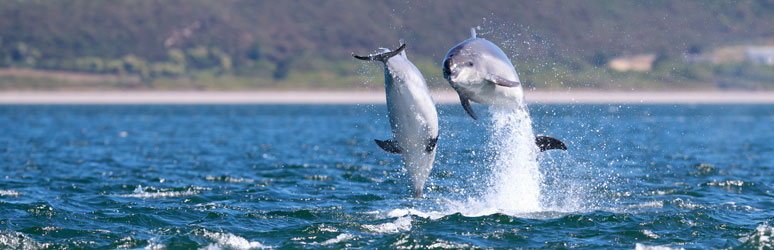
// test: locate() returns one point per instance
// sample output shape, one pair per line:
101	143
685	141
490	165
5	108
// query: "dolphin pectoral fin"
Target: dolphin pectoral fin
497	80
431	142
547	143
466	105
389	145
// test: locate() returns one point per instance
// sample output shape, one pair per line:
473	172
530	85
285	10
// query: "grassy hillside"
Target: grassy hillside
243	44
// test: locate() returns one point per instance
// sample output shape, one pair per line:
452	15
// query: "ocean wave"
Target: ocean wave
485	207
400	212
650	234
685	204
657	204
9	193
140	192
440	244
153	244
231	241
228	179
401	224
640	246
470	208
732	205
339	238
17	240
761	238
727	183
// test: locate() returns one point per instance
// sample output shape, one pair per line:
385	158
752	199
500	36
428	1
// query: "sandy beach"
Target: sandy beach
371	97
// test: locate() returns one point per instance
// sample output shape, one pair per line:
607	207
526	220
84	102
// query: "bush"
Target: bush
254	52
137	65
167	69
282	70
90	64
200	57
224	60
116	67
177	56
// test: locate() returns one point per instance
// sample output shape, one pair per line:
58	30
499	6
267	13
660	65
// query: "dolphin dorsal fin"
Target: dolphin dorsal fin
473	32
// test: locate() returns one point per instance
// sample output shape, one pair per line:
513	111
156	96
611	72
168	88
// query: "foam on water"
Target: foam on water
9	193
231	241
339	238
640	246
399	225
140	192
650	234
761	238
153	244
17	240
395	213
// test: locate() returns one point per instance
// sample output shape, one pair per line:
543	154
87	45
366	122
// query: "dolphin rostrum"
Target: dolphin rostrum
481	72
413	118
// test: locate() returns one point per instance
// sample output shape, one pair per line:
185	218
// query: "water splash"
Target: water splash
521	181
515	184
512	179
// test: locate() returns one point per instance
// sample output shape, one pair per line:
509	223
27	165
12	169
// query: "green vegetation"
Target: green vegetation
245	44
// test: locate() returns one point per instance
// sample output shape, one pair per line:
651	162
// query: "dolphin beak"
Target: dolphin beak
447	72
453	75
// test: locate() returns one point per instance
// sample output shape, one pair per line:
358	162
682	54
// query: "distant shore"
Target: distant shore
371	97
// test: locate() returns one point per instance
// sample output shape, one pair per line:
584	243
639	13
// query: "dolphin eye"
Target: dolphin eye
470	64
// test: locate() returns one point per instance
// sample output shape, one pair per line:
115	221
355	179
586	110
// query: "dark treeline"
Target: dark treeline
274	38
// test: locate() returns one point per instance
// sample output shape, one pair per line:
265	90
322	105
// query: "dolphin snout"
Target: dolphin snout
447	73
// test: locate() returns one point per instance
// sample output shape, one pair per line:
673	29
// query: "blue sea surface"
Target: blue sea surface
310	176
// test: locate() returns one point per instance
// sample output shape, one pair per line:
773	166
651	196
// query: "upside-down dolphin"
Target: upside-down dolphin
413	118
481	72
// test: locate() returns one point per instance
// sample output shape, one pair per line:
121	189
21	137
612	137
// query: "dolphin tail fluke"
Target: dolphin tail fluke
547	143
382	57
466	105
389	145
402	51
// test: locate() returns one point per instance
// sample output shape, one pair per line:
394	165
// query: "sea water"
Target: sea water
310	176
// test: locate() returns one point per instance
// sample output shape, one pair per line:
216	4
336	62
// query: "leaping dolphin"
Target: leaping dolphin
413	118
481	72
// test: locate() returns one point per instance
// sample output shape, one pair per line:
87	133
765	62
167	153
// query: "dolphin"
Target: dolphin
481	72
413	118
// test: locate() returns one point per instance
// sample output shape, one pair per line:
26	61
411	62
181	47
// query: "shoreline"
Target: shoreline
373	97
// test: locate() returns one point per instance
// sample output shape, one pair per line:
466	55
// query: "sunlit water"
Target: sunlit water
261	177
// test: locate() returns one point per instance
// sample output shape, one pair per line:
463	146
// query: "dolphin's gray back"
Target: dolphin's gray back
497	63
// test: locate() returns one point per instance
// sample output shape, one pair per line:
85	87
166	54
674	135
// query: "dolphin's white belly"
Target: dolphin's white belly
487	93
414	122
493	95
